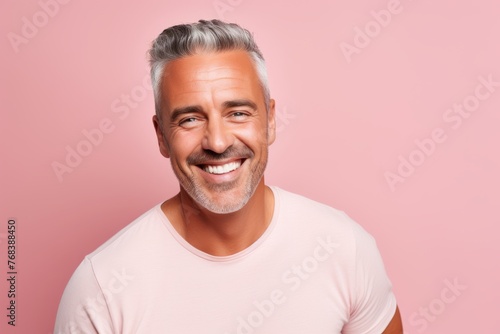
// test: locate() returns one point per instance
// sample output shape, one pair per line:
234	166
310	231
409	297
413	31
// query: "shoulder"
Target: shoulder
106	271
305	224
305	212
130	240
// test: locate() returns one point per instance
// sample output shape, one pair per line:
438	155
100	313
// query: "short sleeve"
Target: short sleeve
373	302
83	307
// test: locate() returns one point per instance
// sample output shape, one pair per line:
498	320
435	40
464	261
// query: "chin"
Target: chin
228	202
223	198
224	208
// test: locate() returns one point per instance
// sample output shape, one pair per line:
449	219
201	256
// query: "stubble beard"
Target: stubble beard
225	201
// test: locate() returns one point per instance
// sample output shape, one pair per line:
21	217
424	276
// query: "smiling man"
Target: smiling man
228	254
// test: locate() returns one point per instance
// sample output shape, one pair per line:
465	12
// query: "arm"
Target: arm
373	307
83	307
395	326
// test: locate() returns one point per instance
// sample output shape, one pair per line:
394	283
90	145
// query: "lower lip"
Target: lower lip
221	178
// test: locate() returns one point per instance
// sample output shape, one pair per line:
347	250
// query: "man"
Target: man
227	254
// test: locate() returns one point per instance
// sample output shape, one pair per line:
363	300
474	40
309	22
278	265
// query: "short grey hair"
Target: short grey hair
203	36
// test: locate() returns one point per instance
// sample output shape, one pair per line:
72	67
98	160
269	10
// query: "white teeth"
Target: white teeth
229	167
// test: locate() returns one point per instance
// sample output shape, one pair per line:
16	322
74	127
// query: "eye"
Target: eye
188	122
239	115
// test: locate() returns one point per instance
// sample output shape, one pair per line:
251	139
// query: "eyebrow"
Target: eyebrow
198	109
184	110
239	103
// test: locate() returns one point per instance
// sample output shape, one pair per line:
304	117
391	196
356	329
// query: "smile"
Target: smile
222	169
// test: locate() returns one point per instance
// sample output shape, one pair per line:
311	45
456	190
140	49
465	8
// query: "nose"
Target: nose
217	138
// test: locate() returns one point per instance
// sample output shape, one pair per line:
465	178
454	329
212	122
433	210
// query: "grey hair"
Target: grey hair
203	36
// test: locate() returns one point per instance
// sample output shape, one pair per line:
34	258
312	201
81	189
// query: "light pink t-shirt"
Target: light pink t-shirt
314	271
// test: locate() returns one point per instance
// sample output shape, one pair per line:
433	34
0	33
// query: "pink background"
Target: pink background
344	121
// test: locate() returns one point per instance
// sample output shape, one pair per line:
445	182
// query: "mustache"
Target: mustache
200	158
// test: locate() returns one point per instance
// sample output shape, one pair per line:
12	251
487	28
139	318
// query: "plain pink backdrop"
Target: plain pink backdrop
345	120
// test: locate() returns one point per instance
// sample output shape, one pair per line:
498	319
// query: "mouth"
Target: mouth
219	169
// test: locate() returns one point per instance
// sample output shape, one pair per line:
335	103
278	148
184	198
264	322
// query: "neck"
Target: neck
221	234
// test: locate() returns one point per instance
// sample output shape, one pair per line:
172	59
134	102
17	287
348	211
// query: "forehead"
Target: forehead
213	73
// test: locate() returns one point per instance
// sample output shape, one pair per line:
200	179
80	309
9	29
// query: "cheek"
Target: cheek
182	144
255	138
256	132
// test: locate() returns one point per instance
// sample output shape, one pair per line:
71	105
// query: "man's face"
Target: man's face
215	128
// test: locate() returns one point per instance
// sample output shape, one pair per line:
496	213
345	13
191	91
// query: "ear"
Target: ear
271	122
162	141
